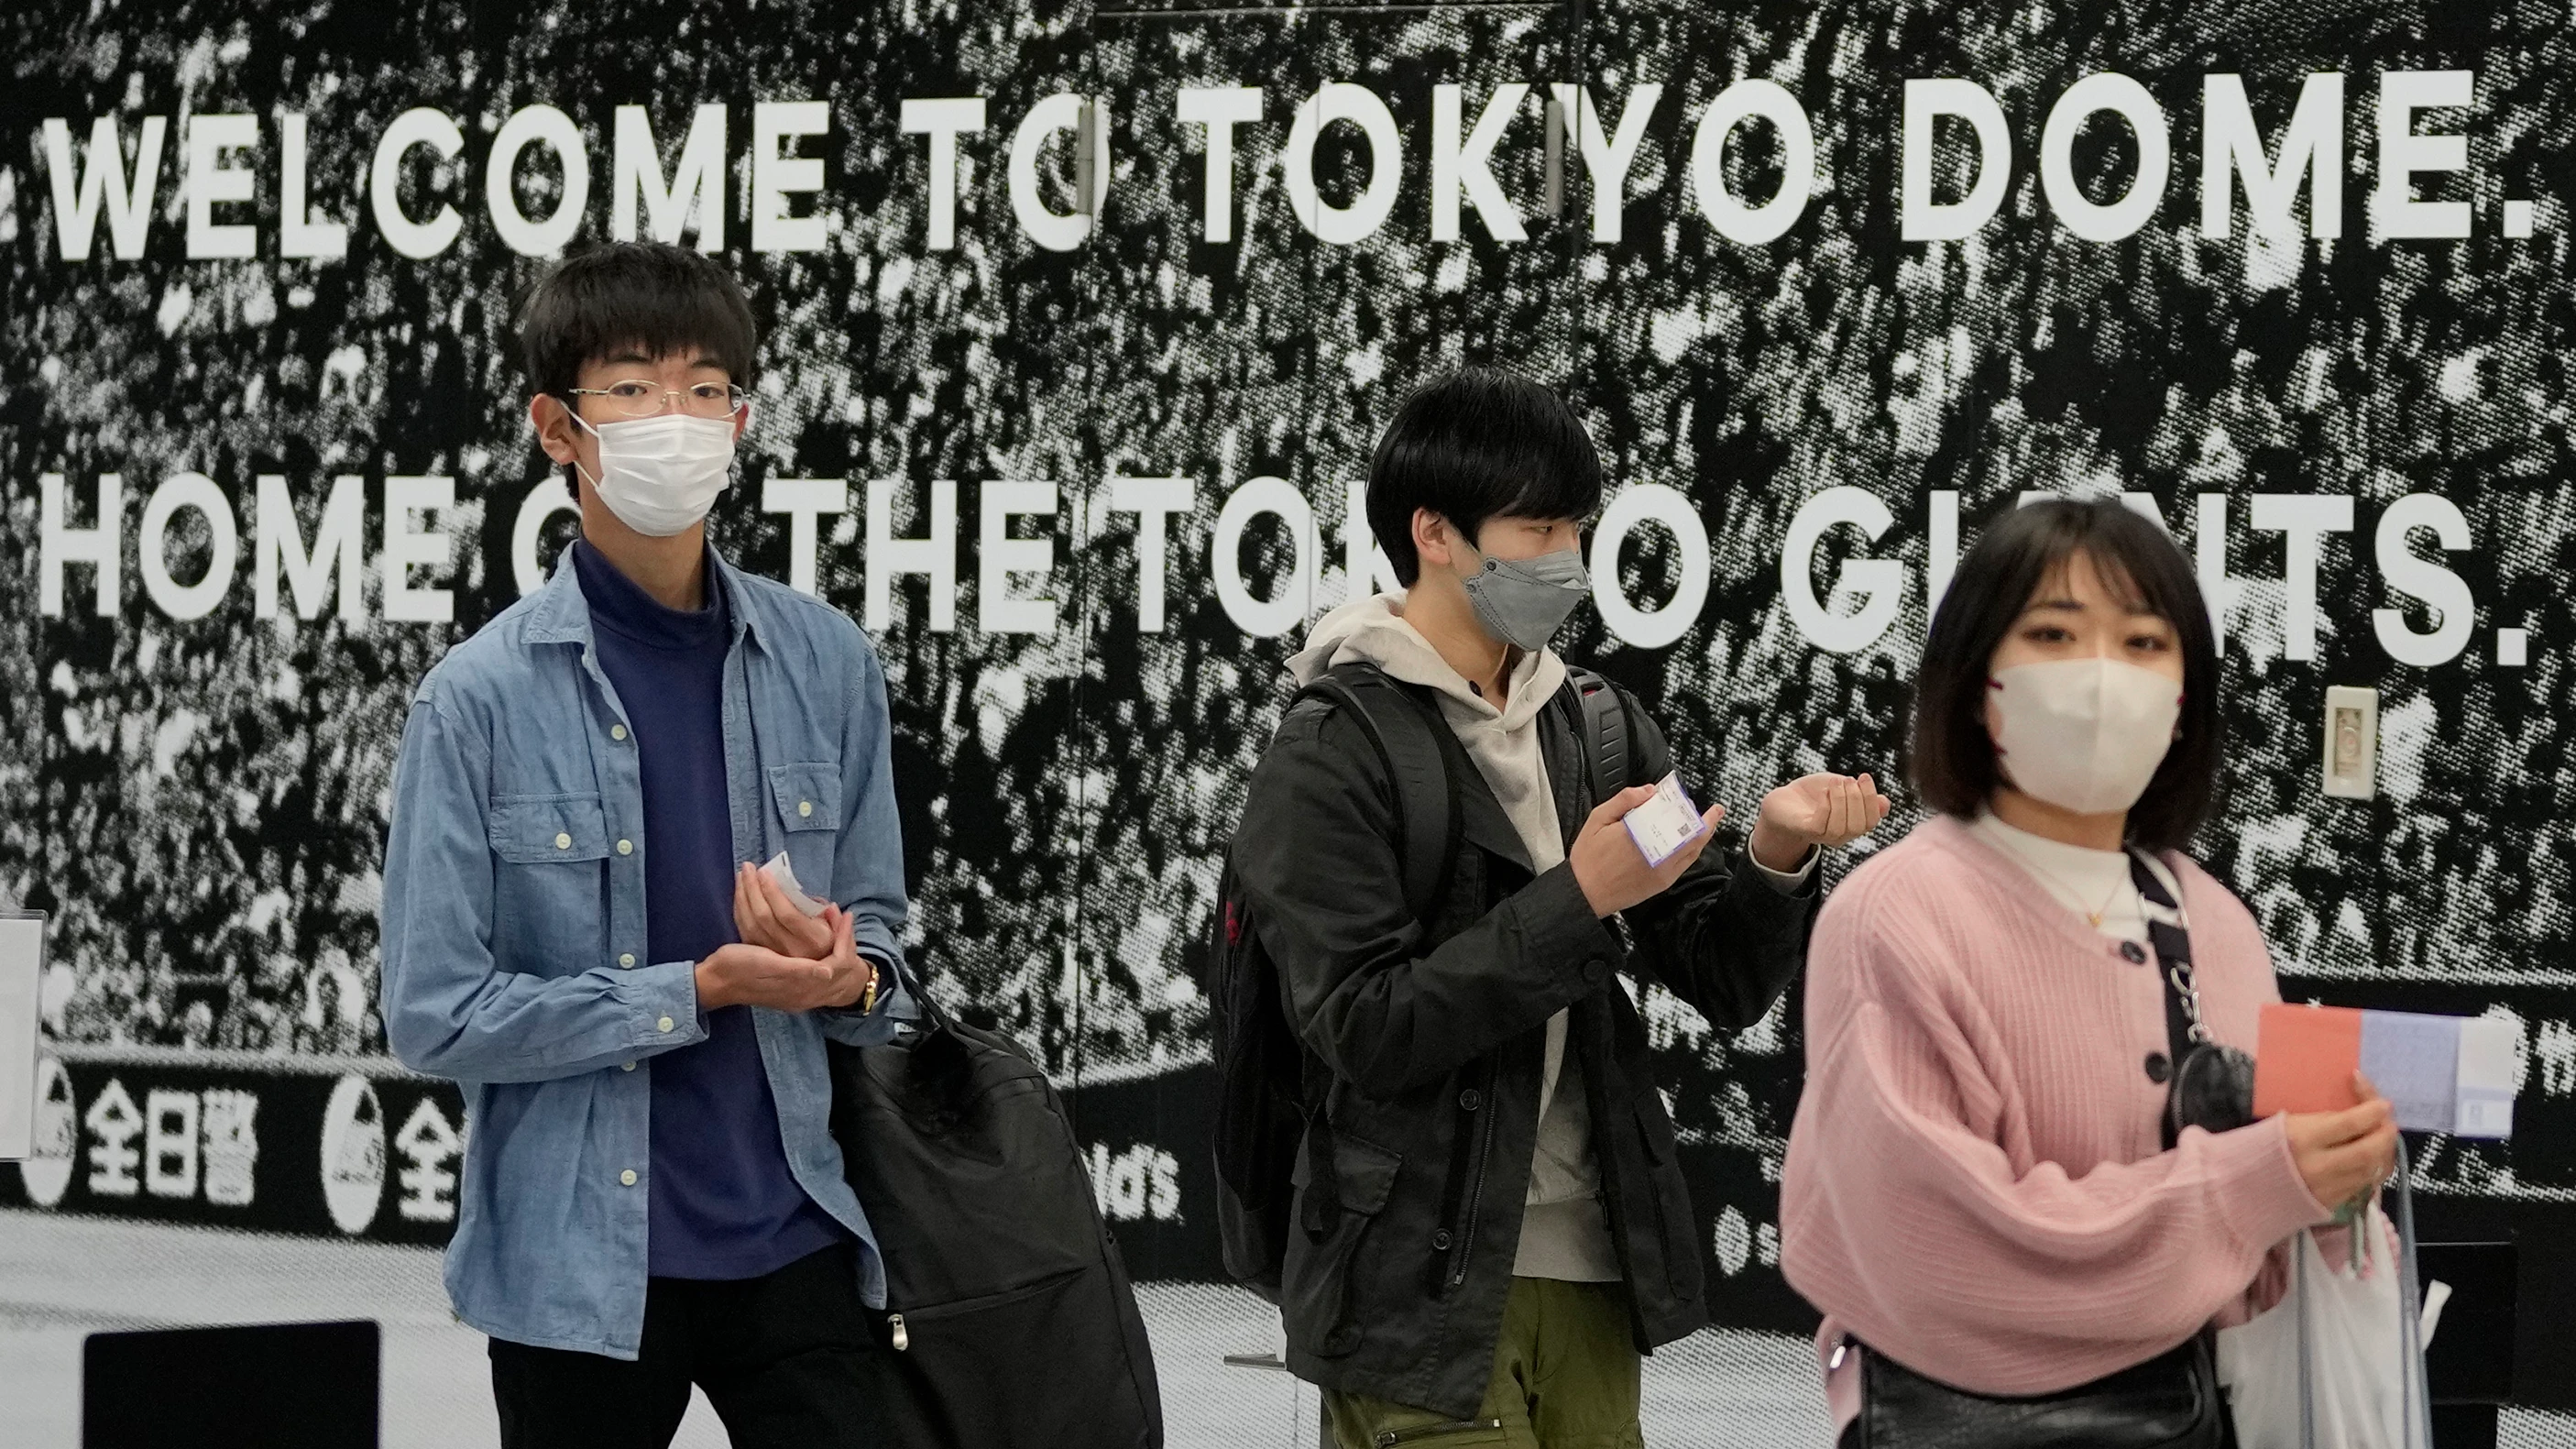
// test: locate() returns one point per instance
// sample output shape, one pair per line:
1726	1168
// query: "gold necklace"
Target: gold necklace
2093	917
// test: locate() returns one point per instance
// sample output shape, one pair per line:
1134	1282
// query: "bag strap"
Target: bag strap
2184	1031
1602	729
1413	746
1405	732
2172	943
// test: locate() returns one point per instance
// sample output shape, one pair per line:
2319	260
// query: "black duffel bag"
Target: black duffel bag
1009	1322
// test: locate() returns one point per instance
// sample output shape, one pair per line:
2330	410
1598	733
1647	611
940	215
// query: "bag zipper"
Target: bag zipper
900	1335
1389	1438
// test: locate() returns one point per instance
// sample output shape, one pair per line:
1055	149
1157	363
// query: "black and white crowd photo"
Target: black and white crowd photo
1392	724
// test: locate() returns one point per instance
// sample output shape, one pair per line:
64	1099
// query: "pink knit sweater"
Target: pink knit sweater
1975	1183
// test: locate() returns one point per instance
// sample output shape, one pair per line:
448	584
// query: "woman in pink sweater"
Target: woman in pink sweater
1980	1184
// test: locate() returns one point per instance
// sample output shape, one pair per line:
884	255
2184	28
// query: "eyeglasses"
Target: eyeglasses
638	398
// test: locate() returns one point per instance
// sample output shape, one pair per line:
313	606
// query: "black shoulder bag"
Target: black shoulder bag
2171	1401
1010	1321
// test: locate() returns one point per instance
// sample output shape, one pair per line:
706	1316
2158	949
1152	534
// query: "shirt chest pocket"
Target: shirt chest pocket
806	800
544	829
550	888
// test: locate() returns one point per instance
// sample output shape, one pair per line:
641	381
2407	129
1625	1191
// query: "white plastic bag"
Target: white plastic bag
2359	1378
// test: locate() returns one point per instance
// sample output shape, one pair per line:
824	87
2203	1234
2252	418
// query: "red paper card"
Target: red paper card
2305	1058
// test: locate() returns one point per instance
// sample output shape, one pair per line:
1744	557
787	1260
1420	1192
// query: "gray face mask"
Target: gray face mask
1524	601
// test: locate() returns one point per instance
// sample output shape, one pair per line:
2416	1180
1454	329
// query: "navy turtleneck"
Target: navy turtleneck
724	1203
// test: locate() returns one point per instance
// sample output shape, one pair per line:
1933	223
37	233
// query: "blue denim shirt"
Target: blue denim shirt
514	939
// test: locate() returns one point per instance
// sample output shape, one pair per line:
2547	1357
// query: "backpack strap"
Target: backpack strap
1406	732
1408	735
1601	727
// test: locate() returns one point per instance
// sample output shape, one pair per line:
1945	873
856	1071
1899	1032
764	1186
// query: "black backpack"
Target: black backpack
1270	1088
1010	1322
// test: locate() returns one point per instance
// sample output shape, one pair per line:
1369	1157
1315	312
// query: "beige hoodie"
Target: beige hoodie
1564	1232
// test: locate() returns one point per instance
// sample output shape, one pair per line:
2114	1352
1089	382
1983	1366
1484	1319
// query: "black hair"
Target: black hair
651	297
1480	443
1952	758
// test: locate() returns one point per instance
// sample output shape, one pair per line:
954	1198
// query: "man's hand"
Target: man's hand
763	916
1612	871
746	975
1814	810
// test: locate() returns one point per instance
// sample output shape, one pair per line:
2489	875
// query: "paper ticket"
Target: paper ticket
780	871
1665	823
2441	1073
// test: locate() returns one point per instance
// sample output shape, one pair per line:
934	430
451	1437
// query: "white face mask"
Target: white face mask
661	474
2082	734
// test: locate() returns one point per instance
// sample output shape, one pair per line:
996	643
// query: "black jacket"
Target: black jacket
1434	1038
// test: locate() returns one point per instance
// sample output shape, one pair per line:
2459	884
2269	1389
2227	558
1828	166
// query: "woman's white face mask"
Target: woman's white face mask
2085	735
661	474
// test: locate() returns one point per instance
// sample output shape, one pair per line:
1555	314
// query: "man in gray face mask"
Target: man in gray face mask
1490	1222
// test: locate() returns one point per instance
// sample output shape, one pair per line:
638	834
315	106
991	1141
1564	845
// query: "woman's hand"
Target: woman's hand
2343	1155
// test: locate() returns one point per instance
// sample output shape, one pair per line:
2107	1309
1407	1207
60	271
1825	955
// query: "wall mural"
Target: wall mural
1079	324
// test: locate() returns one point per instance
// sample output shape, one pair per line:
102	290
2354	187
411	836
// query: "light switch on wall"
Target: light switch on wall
2352	742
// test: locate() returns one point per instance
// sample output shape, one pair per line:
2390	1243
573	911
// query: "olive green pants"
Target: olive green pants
1565	1377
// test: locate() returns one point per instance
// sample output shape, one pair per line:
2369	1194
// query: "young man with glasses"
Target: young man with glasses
578	930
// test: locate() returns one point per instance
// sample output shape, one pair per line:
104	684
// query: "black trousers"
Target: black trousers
787	1361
